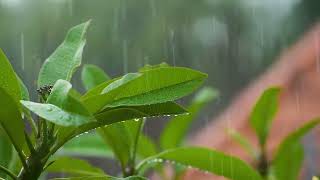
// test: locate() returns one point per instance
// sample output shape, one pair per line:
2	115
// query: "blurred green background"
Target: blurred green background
231	40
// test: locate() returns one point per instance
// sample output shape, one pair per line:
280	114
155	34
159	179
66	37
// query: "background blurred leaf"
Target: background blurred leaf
92	76
89	144
66	58
74	166
289	157
24	90
264	112
244	143
176	129
207	160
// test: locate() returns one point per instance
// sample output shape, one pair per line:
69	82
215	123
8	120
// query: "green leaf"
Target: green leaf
24	90
118	138
10	120
67	99
146	147
153	86
176	129
102	178
92	76
289	157
207	160
89	145
244	143
74	166
56	115
5	151
264	112
8	80
64	108
66	58
114	115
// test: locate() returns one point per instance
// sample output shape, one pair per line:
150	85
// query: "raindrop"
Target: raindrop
22	50
125	56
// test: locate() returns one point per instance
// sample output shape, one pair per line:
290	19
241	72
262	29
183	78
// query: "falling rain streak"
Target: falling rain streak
22	50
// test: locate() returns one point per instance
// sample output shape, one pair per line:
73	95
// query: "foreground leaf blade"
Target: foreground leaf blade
152	87
66	58
206	160
289	157
9	81
10	120
264	112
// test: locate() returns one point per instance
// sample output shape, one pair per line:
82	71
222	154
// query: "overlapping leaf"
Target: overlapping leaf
154	86
64	108
92	76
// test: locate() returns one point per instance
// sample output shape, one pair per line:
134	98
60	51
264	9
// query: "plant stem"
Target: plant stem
132	162
8	172
263	165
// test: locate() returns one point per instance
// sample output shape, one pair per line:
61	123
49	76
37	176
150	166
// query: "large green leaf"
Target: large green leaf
66	58
89	145
92	76
10	120
114	115
56	115
206	160
154	86
102	178
176	129
289	157
74	166
264	112
63	107
9	81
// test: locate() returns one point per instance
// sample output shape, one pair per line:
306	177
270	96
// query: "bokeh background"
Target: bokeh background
231	40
